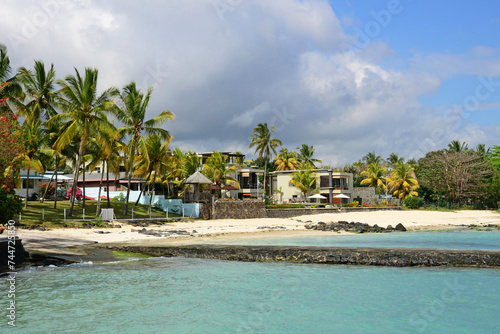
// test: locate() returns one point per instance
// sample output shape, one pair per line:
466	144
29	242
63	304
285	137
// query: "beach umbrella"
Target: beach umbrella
341	196
317	197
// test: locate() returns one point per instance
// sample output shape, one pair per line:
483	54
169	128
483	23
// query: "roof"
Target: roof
197	178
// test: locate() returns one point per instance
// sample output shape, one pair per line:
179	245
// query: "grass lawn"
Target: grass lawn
34	211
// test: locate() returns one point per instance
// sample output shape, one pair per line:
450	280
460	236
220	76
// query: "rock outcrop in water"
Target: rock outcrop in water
354	227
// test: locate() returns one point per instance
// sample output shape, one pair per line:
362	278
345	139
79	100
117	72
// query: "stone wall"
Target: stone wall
369	195
239	209
287	213
402	257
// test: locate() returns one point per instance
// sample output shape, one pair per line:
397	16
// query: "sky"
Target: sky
346	76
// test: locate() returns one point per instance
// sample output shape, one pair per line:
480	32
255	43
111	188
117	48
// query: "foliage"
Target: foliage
412	202
304	180
403	182
78	194
218	171
10	206
50	191
286	160
374	176
305	155
353	204
458	176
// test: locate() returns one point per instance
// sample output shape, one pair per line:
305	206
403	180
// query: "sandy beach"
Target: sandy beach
206	231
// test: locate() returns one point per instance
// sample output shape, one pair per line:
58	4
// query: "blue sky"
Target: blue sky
425	76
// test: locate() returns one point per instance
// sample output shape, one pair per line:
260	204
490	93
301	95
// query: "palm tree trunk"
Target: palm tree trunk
265	172
75	177
55	172
83	185
27	188
107	182
129	178
47	188
99	195
145	183
151	196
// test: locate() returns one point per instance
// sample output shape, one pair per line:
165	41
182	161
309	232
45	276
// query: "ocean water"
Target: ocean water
447	239
177	295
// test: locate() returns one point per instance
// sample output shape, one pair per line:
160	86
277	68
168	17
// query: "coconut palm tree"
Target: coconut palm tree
403	182
10	89
154	162
304	180
38	87
84	109
33	156
218	171
374	176
132	113
371	158
264	144
286	160
305	155
458	146
394	159
103	149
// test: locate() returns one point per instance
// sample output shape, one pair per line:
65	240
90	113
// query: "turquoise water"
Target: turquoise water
451	239
176	295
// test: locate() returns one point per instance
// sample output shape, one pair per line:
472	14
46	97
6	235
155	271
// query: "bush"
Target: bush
412	202
50	192
10	206
78	195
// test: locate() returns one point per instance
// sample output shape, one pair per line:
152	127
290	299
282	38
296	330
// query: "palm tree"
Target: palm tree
102	149
132	114
218	171
33	135
305	155
457	146
374	176
154	162
264	144
84	109
10	88
38	88
304	180
286	160
394	159
371	158
403	182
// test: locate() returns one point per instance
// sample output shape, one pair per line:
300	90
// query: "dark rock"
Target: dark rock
400	227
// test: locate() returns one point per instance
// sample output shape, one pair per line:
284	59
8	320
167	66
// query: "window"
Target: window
290	184
324	182
31	184
98	169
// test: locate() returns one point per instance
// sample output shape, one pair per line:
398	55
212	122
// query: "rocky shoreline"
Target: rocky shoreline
354	227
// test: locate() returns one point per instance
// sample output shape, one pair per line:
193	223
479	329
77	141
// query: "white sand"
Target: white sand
205	231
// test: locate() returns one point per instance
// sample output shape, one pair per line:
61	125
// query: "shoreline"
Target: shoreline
80	244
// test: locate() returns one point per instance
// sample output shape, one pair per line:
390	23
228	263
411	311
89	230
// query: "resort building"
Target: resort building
335	187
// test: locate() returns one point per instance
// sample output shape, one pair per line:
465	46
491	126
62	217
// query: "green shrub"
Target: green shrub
10	206
412	202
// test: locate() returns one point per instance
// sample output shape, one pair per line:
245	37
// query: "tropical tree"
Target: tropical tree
374	176
304	180
305	155
372	158
132	113
286	160
31	158
218	170
394	160
10	89
458	146
264	144
38	87
154	162
84	109
102	149
403	182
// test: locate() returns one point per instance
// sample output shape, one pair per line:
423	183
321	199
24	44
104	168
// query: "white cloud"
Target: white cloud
279	62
